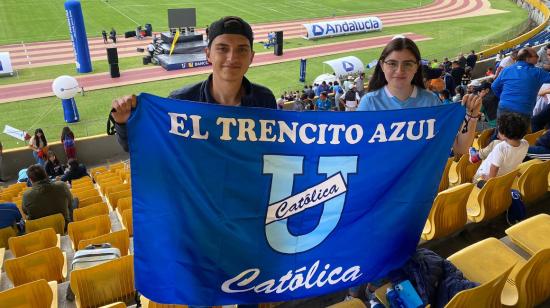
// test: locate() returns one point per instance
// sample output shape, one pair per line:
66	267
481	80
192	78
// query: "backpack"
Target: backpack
516	212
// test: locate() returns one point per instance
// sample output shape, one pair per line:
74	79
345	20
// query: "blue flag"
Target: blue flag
247	205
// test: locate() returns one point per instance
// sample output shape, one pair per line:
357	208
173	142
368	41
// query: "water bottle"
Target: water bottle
393	299
474	156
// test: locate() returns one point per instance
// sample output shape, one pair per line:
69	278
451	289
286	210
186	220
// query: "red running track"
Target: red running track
39	89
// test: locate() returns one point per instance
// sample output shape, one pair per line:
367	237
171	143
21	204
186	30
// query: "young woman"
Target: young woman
39	146
53	166
67	138
397	84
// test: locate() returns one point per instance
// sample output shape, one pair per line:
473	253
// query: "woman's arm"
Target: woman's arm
463	141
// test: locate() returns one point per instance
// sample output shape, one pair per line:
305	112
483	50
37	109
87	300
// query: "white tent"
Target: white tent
346	66
326	78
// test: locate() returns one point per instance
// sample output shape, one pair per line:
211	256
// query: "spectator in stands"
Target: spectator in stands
360	84
544	58
461	60
447	65
507	61
498	58
434	64
1	151
541	149
67	139
457	72
53	167
230	52
323	103
459	94
489	72
471	59
39	146
489	103
75	171
9	215
299	103
351	99
502	157
337	91
323	87
348	83
397	84
46	198
518	85
449	82
444	96
281	101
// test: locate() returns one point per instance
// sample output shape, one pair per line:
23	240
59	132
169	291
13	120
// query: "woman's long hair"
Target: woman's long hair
378	80
66	132
43	138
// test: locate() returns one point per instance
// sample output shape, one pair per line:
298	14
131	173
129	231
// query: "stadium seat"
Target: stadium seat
46	264
490	271
127	221
122	205
493	199
111	182
90	211
484	138
523	166
33	242
82	180
36	294
448	213
89	201
5	234
354	303
2	253
532	234
86	194
465	170
56	221
81	186
532	138
533	183
88	228
528	284
119	239
120	165
114	197
116	188
112	281
444	183
96	171
115	305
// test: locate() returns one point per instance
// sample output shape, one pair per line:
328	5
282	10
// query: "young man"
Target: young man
323	103
230	52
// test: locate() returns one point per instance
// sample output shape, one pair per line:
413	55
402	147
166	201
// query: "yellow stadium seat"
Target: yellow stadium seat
354	303
114	197
528	284
119	239
493	199
56	221
448	213
89	201
444	183
484	138
36	294
98	170
82	181
5	234
109	183
88	228
82	186
116	188
523	166
532	138
466	170
124	204
90	211
33	242
2	253
479	263
104	284
115	305
532	234
120	165
106	176
86	194
127	221
78	190
533	183
46	264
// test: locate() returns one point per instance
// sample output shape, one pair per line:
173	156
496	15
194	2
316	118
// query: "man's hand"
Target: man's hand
472	104
123	106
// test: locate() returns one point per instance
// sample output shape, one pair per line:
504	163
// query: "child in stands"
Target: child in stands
67	139
504	155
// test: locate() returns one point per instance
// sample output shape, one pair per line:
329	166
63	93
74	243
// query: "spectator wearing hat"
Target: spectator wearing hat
348	83
230	50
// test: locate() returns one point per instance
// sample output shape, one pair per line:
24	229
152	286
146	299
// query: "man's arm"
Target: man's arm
122	109
497	86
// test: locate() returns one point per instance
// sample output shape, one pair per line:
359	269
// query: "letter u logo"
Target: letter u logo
283	169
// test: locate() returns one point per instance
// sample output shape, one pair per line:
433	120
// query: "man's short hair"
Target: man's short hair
36	173
512	126
523	54
73	163
230	25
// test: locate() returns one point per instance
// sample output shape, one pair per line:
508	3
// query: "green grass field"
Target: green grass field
450	37
44	20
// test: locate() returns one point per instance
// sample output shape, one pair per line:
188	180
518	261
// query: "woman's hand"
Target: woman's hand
473	105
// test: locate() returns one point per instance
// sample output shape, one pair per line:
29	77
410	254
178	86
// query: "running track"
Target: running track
438	10
61	52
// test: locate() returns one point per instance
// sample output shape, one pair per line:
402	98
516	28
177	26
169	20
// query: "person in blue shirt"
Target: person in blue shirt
323	103
517	86
444	96
397	83
9	215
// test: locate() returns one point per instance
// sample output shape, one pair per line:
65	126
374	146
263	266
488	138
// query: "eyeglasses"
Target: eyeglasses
407	66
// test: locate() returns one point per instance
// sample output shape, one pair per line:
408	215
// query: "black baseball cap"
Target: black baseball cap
230	25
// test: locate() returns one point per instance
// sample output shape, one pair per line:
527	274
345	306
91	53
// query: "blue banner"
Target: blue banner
303	67
75	19
247	205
